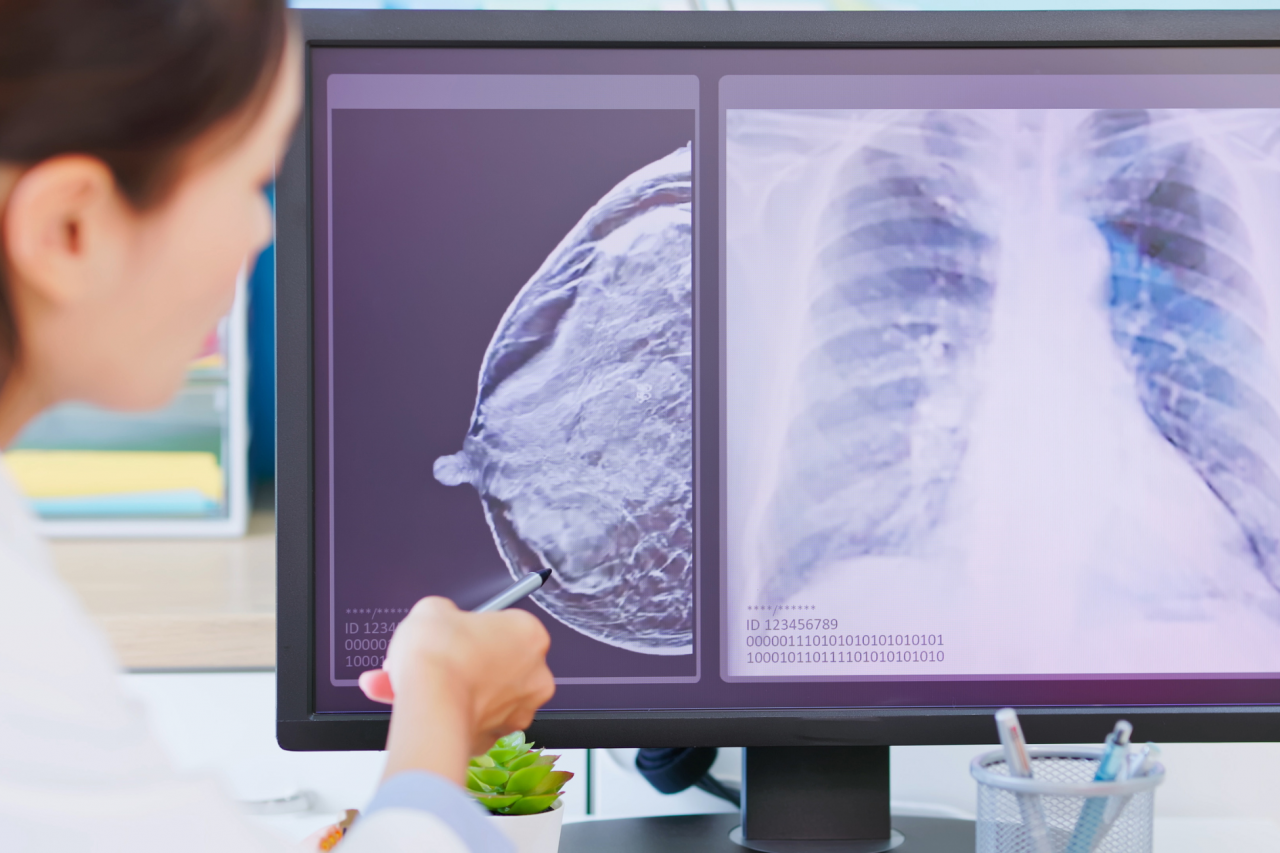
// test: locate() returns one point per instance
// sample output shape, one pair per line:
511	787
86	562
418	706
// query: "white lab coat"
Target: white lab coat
79	769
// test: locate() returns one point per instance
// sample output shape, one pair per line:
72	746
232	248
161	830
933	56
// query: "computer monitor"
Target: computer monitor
857	374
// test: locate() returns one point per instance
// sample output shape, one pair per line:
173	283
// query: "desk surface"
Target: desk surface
181	603
1172	835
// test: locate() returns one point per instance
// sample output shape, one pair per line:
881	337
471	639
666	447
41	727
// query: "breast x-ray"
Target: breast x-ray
580	445
1009	353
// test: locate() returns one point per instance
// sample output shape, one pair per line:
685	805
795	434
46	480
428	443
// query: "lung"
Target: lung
580	444
901	302
1186	312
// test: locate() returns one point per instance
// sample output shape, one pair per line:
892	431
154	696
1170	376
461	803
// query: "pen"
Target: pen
1136	764
1091	816
506	598
1127	768
1141	762
515	592
1019	763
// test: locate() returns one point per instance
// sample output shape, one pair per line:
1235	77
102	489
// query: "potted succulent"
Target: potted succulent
520	787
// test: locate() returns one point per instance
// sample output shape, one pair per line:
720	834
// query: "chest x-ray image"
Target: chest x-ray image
580	445
1011	375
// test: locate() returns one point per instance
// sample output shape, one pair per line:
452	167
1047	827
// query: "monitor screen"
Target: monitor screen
821	378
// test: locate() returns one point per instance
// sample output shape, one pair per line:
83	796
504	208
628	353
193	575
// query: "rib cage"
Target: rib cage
1187	313
903	289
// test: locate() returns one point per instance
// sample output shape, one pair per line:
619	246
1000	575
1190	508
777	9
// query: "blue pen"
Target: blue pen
1139	764
1095	808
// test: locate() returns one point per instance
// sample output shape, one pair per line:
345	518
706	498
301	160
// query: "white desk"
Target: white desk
1211	835
224	723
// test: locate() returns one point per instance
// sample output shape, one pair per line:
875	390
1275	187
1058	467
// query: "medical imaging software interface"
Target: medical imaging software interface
819	378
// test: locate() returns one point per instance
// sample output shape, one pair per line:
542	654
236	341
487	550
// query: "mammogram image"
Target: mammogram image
580	445
1062	320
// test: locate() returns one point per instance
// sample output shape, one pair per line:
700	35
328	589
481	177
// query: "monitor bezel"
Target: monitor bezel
299	727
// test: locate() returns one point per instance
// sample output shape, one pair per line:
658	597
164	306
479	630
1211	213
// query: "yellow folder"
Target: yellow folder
76	473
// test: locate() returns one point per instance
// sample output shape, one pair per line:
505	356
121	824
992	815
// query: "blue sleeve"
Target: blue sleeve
427	792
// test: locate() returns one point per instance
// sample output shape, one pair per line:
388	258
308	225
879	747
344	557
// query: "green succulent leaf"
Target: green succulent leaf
514	769
502	756
524	781
515	740
495	777
533	805
552	784
522	761
474	784
496	802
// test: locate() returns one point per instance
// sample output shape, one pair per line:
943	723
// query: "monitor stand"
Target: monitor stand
795	799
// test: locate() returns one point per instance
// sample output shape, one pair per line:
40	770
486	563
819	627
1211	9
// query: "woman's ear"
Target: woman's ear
60	229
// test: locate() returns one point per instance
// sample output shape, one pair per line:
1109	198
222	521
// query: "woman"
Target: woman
135	139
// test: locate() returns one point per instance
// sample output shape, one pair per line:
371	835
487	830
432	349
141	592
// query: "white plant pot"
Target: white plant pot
533	833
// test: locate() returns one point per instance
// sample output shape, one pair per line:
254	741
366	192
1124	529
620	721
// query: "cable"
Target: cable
672	770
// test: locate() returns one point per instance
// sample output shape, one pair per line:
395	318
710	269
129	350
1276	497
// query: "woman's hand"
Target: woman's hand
457	682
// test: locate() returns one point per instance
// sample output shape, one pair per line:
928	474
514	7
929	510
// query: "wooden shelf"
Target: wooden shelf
181	603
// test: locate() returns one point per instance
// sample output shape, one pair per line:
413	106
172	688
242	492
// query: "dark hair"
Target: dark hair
131	82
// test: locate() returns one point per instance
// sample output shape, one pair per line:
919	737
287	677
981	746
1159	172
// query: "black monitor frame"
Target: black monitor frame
299	727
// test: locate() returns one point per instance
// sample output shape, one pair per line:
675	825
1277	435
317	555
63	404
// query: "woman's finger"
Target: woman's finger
376	684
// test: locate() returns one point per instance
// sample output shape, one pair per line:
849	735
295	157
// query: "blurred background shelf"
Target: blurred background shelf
181	471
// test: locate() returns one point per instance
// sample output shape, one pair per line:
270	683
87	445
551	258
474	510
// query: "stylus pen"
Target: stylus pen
1095	808
1019	763
515	592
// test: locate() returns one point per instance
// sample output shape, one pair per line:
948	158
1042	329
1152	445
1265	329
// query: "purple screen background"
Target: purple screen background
430	244
444	215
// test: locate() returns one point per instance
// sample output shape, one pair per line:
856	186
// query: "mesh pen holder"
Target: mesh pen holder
1061	809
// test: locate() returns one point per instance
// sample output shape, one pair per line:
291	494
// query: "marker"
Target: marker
1091	817
515	592
1019	763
